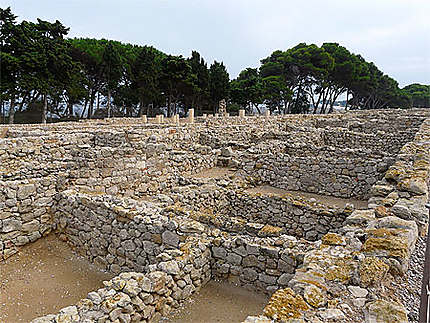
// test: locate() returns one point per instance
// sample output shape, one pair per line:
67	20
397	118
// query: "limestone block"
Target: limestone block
219	252
255	319
170	238
11	224
314	296
381	311
31	226
26	191
358	292
191	115
169	267
332	314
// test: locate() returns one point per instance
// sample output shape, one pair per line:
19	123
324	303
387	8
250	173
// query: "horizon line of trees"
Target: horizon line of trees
44	73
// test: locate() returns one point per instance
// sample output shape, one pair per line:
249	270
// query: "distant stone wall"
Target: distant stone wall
234	210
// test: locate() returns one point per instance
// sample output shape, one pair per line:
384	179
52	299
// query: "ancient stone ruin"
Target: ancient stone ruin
320	212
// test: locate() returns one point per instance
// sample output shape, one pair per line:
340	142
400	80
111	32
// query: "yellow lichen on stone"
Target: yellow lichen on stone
391	246
384	232
372	271
270	229
314	296
313	282
395	173
332	239
381	211
421	164
340	271
258	165
285	304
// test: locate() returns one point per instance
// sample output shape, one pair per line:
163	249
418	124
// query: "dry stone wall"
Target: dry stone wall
26	213
230	208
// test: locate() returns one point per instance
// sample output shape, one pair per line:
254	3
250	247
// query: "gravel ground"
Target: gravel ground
410	291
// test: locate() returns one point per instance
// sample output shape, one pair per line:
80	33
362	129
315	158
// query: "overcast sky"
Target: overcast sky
394	34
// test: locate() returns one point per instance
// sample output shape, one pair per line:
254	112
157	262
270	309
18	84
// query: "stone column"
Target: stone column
144	118
159	118
267	113
216	115
191	116
241	113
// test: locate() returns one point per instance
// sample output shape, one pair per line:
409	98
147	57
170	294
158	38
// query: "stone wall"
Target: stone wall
121	193
25	214
120	235
344	277
263	264
232	209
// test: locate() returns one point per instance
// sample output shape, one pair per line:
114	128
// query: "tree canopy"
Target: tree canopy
43	73
308	78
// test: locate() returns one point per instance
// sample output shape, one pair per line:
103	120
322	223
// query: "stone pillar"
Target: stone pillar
205	116
177	119
216	115
159	118
144	118
241	113
267	113
191	116
226	114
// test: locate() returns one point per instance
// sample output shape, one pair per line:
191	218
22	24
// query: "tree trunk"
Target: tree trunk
70	108
346	103
108	104
12	110
91	106
85	107
45	108
98	102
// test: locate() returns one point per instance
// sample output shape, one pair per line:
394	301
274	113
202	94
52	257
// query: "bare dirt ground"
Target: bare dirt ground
323	199
219	302
215	172
44	277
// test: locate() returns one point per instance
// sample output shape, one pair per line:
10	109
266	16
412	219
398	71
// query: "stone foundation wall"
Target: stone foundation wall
120	235
25	212
262	264
230	208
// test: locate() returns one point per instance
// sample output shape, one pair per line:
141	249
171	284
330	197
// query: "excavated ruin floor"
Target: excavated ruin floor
324	199
219	302
44	277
